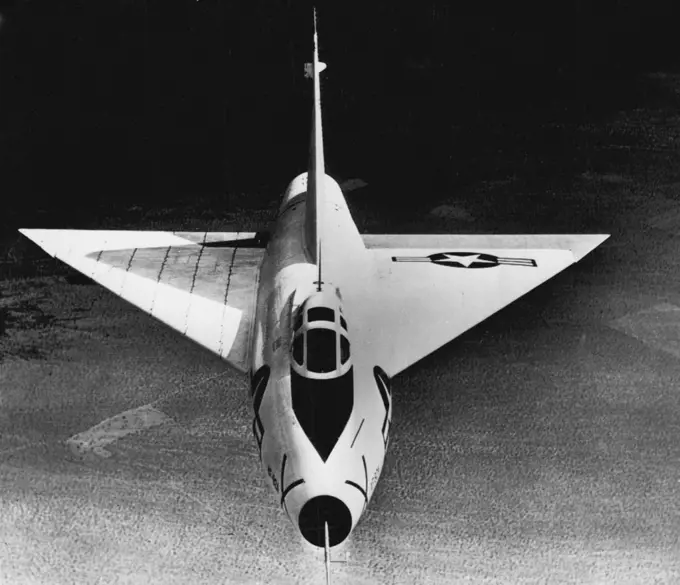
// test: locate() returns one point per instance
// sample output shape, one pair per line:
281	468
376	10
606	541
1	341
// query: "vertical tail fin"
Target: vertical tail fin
316	170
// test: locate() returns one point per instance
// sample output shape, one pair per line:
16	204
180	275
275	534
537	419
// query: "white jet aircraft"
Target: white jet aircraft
322	317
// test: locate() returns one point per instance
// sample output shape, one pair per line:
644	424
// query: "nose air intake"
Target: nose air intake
319	510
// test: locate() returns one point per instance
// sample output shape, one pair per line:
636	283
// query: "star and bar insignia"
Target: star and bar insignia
467	260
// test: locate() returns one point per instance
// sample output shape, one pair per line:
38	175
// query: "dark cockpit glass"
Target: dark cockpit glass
298	349
320	314
344	349
321	350
343	322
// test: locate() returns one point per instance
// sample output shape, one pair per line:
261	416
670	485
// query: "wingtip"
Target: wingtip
48	240
587	243
31	234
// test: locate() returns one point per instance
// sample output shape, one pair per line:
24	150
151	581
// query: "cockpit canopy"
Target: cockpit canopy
320	343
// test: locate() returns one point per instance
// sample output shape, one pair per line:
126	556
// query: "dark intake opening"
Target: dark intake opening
323	509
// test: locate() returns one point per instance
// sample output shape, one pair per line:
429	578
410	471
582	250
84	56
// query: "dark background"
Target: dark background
149	103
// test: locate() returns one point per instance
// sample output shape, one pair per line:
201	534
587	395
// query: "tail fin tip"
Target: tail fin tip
309	69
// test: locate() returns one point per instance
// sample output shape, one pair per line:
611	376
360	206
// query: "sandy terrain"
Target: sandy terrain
541	447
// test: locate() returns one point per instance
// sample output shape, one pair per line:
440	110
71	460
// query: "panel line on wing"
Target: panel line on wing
129	264
163	263
191	288
225	303
158	278
127	269
193	276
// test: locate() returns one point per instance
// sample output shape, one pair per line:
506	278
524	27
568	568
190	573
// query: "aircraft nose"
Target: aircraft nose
319	510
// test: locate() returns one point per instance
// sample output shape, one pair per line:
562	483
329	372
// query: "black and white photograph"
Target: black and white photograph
373	293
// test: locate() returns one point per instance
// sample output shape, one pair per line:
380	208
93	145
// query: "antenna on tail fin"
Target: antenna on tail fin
309	71
316	171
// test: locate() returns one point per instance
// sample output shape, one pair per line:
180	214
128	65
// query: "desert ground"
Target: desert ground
543	446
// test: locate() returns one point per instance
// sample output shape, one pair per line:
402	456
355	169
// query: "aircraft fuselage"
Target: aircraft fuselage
322	413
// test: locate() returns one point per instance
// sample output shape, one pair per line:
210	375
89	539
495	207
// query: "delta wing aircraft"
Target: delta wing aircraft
321	317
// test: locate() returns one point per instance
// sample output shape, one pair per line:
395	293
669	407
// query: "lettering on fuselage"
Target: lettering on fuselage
258	385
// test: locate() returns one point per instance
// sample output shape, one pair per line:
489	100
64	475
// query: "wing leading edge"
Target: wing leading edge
429	289
202	284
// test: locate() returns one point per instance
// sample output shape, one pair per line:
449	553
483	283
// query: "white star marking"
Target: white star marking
467	260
